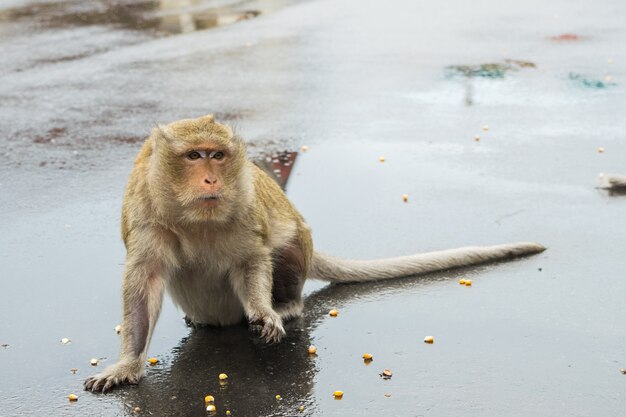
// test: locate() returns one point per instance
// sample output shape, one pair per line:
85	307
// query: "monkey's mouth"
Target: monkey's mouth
209	200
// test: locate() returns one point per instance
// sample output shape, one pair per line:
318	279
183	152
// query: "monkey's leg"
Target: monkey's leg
141	298
254	289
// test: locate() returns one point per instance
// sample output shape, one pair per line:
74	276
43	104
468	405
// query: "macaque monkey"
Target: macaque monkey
204	223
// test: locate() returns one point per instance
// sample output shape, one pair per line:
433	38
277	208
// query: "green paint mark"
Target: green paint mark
586	82
495	70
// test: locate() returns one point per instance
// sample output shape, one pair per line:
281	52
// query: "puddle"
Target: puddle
590	82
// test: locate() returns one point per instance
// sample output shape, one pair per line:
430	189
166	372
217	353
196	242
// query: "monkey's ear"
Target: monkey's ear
208	118
161	136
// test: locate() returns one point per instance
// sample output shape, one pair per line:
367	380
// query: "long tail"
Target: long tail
329	268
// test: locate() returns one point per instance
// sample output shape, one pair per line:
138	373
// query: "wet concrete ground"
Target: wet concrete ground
83	82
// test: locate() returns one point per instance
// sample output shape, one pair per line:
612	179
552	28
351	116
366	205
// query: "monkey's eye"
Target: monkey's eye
193	155
218	155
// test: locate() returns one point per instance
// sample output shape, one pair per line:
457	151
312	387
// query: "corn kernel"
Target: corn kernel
153	361
338	394
94	361
223	377
468	282
367	356
65	341
301	408
381	159
486	128
462	281
405	197
386	374
72	397
209	399
312	350
278	397
137	410
477	138
211	408
227	412
429	339
304	148
118	329
600	149
333	313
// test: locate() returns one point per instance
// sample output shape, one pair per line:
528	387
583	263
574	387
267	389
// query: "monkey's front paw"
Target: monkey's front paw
114	375
271	327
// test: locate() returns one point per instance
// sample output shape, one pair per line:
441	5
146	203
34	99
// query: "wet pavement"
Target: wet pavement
415	82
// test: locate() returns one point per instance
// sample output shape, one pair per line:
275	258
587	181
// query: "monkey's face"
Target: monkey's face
206	166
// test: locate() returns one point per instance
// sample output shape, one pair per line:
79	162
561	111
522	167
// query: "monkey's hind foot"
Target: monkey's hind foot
270	327
114	375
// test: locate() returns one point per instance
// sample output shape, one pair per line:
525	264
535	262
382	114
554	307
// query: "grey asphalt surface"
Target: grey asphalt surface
413	81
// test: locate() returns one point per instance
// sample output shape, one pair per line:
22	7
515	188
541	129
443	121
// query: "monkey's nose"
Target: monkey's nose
210	181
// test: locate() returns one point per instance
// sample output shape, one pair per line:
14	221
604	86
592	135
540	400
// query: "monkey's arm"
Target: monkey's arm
253	285
142	297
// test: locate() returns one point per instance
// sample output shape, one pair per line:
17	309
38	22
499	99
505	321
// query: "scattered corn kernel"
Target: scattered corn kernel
381	159
387	395
333	313
278	397
304	148
476	138
153	361
462	281
74	370
137	410
338	394
72	397
486	128
65	341
223	377
386	374
227	412
312	350
301	408
209	399
405	197
623	371
429	339
118	329
600	149
211	408
94	361
468	282
367	356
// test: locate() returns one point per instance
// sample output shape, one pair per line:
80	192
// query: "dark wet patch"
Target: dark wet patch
51	136
590	82
496	70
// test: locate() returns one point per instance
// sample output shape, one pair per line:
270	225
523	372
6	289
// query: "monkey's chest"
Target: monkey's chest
206	295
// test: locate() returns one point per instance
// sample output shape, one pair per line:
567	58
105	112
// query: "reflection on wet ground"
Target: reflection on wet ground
589	82
166	16
278	166
489	70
